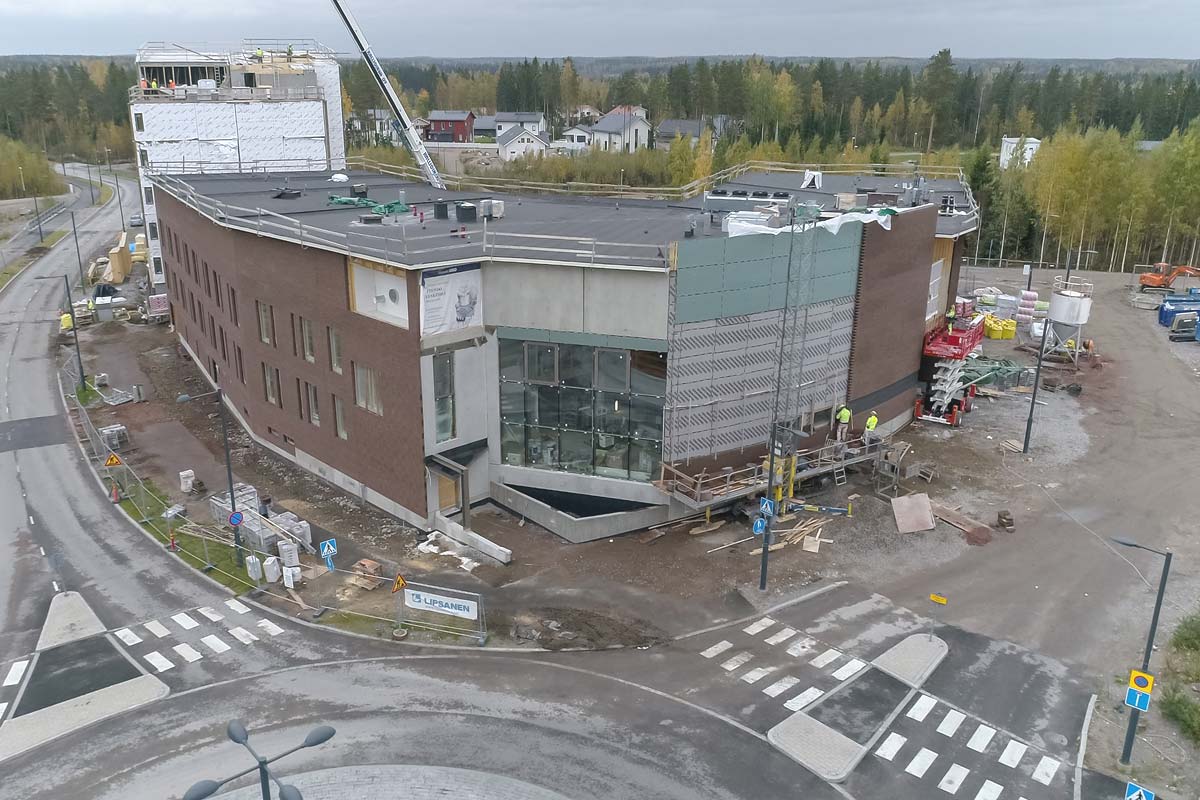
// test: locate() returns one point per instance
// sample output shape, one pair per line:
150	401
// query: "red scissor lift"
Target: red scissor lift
945	353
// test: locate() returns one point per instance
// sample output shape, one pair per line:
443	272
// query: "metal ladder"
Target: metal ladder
839	475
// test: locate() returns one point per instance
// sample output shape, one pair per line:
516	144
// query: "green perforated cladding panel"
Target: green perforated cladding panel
732	277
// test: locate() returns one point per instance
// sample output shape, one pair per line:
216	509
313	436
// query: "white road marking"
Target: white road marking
3	708
211	615
921	762
55	585
756	628
951	722
756	675
826	658
128	637
891	745
1044	772
1013	754
242	635
158	661
989	791
43	550
782	636
31	519
157	628
185	622
275	630
980	738
234	605
798	702
780	686
920	709
849	669
188	652
801	646
215	644
953	778
15	672
730	665
716	649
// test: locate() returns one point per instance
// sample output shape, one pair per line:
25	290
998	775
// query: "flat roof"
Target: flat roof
534	227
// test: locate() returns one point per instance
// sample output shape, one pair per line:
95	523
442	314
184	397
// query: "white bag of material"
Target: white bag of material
187	478
289	553
291	577
272	570
254	568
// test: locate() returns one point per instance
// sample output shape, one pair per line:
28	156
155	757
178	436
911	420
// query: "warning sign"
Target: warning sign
113	460
399	583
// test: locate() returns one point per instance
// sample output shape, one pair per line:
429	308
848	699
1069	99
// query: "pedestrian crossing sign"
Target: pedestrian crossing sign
113	460
1135	792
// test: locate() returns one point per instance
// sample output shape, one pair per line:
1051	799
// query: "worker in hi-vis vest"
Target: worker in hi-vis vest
843	423
869	428
65	323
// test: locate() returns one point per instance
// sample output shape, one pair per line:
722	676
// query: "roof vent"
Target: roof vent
720	192
359	190
740	193
781	195
287	194
370	219
760	194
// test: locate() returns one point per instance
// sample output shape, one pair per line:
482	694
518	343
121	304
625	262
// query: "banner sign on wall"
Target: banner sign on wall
451	298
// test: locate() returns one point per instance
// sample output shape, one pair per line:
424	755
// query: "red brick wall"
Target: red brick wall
384	452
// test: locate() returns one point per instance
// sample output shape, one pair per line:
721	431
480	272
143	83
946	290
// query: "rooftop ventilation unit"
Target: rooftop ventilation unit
287	194
359	190
370	219
760	194
465	212
781	195
740	193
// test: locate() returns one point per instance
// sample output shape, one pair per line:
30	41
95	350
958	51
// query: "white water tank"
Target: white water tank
1070	307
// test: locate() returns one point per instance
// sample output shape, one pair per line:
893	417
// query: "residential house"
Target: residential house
622	129
585	113
532	121
632	111
578	135
485	126
1009	154
451	126
690	129
517	142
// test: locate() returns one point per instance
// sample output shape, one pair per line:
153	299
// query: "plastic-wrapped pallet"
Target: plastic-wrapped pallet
289	553
291	577
271	569
302	531
186	480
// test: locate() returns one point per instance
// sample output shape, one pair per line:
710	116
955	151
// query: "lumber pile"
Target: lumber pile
794	535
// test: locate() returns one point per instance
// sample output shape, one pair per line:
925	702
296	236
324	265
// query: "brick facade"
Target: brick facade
205	262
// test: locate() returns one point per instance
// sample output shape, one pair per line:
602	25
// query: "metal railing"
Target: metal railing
137	94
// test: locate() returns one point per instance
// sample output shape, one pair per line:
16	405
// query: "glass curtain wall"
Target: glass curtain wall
590	410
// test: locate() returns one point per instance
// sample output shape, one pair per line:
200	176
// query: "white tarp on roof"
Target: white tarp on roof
741	223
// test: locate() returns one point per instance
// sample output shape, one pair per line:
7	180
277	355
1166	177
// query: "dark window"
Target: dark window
153	228
443	395
148	193
241	368
139	123
233	309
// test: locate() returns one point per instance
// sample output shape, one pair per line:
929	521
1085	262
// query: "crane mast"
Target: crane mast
401	123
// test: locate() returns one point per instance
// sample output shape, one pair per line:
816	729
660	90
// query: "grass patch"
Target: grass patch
106	192
1179	702
1182	709
1187	635
356	623
86	395
28	257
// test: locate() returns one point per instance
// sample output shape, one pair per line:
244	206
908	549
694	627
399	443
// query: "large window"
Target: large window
443	395
335	351
271	385
339	418
266	322
314	413
308	341
595	411
366	390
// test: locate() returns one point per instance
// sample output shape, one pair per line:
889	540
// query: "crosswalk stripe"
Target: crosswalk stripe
756	675
157	628
716	649
849	669
128	637
806	697
15	672
989	791
891	745
242	635
212	615
980	738
1013	754
951	722
953	778
801	646
781	636
158	661
185	622
272	628
234	605
1044	772
215	644
188	652
921	762
920	709
780	686
3	708
826	658
737	661
755	628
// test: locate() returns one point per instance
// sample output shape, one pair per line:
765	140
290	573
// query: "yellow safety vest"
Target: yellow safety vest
64	322
872	421
844	416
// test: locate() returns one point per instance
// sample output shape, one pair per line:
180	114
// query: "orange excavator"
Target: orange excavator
1163	276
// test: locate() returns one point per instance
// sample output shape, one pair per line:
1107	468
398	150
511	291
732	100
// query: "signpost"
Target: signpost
760	526
440	609
767	506
328	551
1136	699
399	583
1135	792
113	460
236	518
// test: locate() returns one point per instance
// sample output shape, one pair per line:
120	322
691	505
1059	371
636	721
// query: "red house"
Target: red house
451	126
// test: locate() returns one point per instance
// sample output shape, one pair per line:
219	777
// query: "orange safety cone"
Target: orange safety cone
116	492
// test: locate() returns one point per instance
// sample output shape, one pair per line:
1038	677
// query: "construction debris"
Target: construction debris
913	513
1012	445
977	533
367	574
1004	519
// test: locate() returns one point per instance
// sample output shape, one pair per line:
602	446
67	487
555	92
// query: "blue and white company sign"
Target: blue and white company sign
441	604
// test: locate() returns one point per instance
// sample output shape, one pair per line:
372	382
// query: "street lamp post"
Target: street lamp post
91	188
37	214
74	323
116	184
78	256
1131	731
237	529
238	734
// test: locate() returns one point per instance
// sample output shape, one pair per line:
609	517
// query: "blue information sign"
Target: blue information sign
1136	699
235	518
760	526
1135	792
767	506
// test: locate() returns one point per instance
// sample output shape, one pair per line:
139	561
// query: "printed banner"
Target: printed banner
441	604
451	298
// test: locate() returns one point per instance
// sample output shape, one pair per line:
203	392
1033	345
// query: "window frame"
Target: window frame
308	340
336	359
366	391
445	393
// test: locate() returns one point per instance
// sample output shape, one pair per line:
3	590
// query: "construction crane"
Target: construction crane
401	123
1163	277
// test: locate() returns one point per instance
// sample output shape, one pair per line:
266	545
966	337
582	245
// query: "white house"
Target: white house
1008	150
517	142
532	121
621	129
579	135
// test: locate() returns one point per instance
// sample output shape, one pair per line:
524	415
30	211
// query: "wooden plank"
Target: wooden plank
976	531
777	546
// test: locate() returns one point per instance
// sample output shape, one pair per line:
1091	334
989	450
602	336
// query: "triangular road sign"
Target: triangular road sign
113	460
399	584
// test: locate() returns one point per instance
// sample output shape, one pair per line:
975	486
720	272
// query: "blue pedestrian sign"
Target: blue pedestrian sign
1136	699
328	548
235	518
1135	792
767	506
760	526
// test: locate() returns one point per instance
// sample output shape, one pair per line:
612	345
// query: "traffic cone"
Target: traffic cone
116	492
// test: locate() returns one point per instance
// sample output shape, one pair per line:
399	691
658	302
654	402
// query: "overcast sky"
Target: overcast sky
515	28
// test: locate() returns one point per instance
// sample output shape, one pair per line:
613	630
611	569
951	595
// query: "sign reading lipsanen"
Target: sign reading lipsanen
441	604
